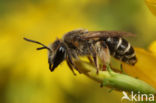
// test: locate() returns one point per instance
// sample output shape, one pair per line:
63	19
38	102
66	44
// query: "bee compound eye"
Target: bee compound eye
61	49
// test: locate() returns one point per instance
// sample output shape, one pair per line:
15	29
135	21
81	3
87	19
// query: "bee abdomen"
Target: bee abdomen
121	50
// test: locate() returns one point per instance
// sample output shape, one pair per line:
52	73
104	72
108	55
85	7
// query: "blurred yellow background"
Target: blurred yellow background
24	73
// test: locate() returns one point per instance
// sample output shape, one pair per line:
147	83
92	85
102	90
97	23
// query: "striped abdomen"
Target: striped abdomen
121	49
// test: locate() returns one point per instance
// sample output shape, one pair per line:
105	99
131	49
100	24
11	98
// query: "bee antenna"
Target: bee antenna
33	41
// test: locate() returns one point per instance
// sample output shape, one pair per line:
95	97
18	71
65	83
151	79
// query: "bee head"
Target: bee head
56	52
57	55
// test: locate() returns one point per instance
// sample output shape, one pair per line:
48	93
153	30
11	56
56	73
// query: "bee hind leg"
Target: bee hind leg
121	68
104	54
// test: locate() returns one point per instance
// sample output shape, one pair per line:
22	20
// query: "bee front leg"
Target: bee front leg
71	64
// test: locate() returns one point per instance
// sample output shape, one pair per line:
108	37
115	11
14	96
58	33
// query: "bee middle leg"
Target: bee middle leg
96	61
95	58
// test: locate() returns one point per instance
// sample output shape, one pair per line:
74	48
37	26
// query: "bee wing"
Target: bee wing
99	34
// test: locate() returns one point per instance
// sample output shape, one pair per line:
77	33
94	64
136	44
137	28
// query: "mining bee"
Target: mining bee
93	44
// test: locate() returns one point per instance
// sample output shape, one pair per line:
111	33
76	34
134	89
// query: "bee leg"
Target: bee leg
104	53
90	59
95	58
69	59
70	66
76	68
121	68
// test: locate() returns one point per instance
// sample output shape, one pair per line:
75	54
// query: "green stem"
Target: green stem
114	80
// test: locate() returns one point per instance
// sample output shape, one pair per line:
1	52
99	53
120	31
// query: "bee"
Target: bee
93	44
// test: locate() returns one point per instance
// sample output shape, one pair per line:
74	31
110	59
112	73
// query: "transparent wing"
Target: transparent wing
100	34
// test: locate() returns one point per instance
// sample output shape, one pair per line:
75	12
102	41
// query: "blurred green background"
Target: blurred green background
24	73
